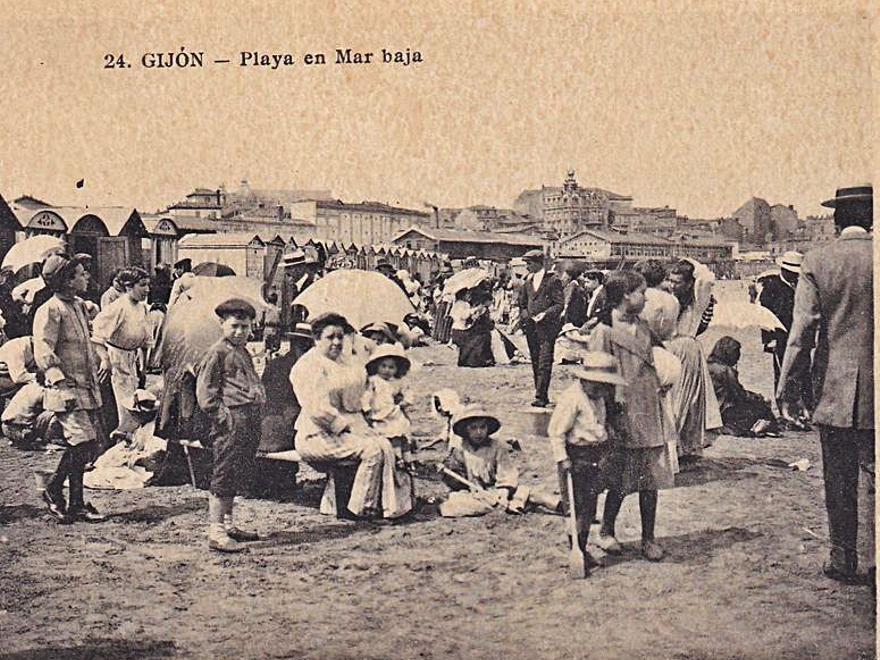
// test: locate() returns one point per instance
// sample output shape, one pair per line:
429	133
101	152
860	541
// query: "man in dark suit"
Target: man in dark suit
777	295
541	301
834	308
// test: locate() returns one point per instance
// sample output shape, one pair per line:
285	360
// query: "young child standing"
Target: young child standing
231	394
578	438
638	461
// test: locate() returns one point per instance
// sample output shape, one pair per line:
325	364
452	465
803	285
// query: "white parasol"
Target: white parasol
740	315
465	279
30	251
361	296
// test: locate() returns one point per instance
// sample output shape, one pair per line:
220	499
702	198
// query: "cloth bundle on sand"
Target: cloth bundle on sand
128	466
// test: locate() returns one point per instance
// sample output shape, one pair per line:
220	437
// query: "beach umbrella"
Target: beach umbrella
361	296
30	251
213	269
191	326
26	291
465	279
739	315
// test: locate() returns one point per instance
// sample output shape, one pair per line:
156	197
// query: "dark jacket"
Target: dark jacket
549	298
778	297
834	311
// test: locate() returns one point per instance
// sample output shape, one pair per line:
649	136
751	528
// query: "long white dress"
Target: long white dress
692	396
332	428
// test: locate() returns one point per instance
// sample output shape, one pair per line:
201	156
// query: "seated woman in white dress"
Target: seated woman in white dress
329	385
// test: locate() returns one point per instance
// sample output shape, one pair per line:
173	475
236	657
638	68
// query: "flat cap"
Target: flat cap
235	307
534	255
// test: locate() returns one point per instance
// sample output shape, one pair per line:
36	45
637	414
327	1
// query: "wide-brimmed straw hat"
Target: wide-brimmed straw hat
862	193
791	261
471	413
599	367
382	328
393	351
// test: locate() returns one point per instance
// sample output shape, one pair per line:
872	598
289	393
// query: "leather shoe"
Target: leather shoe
225	544
652	551
609	544
843	576
85	513
540	403
241	535
56	505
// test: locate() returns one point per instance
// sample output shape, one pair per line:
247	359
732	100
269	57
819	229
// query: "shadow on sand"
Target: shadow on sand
156	513
119	649
719	469
693	548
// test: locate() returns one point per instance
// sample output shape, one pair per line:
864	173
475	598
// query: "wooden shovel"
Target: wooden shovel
576	561
460	479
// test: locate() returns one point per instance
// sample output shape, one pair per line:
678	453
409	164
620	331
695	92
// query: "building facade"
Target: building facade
754	217
610	248
367	223
567	209
784	221
461	244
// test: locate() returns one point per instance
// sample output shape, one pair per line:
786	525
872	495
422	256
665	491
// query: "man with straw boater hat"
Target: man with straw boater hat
834	313
777	295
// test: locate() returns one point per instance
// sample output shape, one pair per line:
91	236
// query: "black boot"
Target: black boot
79	509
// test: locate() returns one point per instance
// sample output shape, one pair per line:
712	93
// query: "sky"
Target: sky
698	106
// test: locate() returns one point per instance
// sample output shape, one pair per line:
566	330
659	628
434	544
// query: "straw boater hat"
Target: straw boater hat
534	255
600	368
471	413
791	261
389	351
862	193
303	330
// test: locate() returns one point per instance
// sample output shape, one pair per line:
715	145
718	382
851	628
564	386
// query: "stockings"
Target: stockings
647	510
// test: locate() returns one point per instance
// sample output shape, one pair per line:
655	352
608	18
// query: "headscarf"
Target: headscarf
726	351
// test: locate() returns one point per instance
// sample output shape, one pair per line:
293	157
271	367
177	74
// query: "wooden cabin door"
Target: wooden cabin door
112	256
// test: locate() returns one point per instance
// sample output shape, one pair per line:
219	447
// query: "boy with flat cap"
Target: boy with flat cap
229	391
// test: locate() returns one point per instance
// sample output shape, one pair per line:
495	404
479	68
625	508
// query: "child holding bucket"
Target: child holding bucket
578	438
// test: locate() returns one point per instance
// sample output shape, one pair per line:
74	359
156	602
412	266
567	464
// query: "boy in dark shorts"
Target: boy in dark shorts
231	394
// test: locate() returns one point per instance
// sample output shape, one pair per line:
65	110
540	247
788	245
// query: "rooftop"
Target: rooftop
376	207
466	236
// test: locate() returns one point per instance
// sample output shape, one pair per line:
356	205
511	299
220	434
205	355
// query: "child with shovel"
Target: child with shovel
578	438
480	464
